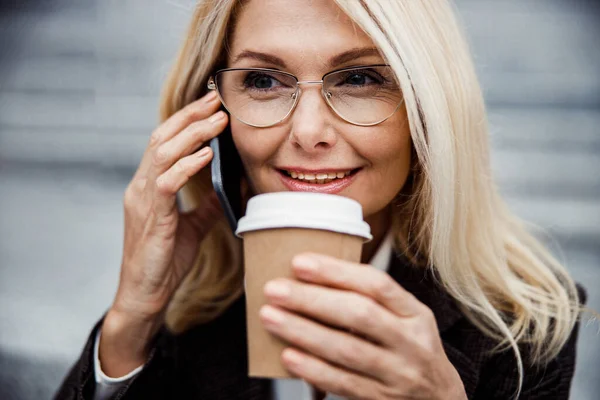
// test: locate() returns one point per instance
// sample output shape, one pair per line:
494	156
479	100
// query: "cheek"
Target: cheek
255	147
390	158
398	160
243	137
392	169
390	155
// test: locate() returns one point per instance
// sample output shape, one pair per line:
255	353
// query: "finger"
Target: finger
192	137
195	111
328	377
360	278
168	153
337	347
166	158
338	308
170	182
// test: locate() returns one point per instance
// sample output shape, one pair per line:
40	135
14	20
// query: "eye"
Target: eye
260	81
358	79
362	77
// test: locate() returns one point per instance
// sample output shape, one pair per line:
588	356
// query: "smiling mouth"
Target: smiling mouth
319	178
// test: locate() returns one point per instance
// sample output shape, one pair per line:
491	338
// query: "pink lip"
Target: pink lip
333	187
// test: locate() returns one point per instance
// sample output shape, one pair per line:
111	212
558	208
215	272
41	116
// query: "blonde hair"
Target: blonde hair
503	278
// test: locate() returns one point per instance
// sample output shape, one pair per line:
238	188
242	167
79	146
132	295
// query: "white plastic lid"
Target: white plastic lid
304	210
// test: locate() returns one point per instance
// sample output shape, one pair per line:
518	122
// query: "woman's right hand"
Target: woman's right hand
160	243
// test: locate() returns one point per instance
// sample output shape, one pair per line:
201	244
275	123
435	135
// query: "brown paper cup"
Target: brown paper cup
270	245
268	255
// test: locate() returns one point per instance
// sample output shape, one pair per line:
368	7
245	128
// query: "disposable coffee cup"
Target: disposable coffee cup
276	227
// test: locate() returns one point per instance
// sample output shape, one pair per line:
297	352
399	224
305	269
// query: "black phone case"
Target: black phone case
226	172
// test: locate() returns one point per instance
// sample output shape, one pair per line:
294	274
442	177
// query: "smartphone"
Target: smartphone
227	172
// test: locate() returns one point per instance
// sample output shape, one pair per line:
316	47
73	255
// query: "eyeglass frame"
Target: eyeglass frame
212	85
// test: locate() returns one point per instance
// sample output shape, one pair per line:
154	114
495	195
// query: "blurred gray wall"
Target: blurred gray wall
79	83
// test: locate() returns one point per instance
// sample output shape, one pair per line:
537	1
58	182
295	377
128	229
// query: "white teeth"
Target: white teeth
318	178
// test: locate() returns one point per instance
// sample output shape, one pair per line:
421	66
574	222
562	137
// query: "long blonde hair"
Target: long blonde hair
504	280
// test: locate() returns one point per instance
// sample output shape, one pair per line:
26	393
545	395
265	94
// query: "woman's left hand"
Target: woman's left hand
394	350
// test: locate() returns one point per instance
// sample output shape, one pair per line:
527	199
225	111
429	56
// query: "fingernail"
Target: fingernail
292	356
204	152
271	314
277	289
216	117
306	264
210	96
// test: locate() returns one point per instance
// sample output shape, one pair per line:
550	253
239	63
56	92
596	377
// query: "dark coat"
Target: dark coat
210	361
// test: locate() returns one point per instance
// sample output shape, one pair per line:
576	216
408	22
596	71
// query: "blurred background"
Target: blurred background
79	86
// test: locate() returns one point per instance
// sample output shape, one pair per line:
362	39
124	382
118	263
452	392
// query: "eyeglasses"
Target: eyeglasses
262	97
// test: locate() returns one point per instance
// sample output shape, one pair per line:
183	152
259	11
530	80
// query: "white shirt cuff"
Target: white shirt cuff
105	385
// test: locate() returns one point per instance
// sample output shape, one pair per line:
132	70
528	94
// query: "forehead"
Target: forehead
304	33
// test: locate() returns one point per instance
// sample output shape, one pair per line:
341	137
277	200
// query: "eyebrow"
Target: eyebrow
333	62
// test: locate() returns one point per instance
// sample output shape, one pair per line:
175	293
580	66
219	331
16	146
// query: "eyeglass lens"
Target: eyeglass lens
260	97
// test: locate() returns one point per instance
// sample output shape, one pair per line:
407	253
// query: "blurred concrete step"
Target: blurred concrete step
54	31
77	109
545	128
535	51
61	236
111	28
554	171
83	74
573	221
100	146
19	371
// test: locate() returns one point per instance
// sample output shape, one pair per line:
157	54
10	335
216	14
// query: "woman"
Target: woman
470	305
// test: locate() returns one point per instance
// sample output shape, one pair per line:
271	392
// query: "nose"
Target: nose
311	130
